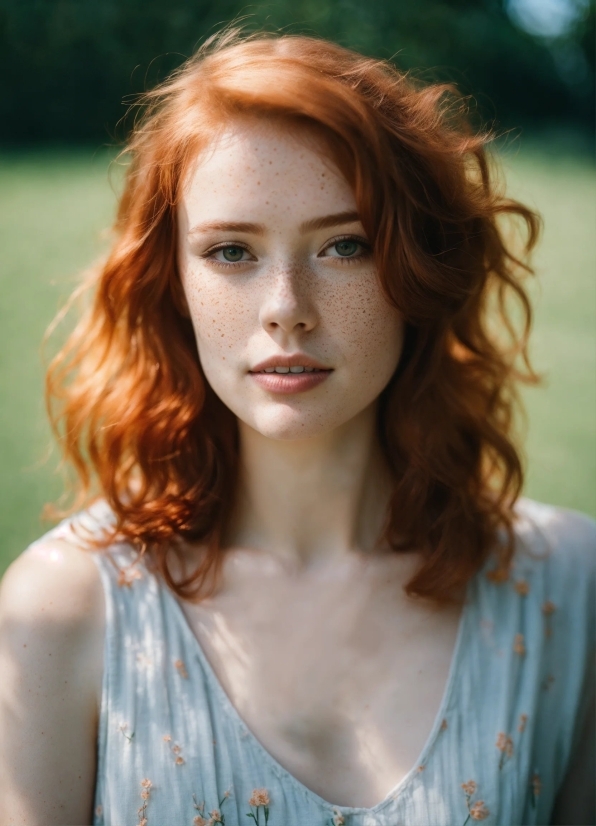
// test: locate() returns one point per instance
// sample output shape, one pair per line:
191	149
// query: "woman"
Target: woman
321	598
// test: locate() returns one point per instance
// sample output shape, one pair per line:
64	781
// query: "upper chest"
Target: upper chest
340	678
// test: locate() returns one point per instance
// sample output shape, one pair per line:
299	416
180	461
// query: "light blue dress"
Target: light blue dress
173	751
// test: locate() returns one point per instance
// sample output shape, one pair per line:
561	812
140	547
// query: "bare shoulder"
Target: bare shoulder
51	657
55	583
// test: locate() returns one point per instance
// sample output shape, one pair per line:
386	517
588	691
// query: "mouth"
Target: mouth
290	374
293	370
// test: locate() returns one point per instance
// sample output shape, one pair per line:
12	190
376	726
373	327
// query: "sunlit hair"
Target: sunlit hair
127	395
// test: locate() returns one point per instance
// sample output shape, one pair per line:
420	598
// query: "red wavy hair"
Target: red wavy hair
128	399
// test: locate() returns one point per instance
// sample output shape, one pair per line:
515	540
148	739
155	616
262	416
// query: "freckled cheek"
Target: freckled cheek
219	315
370	329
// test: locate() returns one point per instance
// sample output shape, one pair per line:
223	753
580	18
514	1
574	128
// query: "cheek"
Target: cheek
372	330
219	317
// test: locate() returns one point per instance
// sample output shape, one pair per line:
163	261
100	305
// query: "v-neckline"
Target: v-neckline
278	768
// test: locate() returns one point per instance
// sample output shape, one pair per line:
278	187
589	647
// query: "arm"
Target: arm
51	661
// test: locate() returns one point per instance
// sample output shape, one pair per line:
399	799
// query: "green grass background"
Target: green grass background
53	207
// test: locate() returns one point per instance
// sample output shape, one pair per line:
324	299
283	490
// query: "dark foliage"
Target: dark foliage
69	66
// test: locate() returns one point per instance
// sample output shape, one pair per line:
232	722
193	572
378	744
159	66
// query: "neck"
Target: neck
307	501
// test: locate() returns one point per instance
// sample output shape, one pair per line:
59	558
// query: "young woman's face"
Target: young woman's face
278	275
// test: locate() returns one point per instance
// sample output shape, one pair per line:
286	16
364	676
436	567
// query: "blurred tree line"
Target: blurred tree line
67	66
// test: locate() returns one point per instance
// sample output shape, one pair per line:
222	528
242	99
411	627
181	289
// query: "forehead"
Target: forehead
263	167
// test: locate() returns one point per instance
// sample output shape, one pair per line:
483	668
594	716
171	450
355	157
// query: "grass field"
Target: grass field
54	206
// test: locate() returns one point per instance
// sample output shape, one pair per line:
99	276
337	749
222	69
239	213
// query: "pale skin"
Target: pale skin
335	671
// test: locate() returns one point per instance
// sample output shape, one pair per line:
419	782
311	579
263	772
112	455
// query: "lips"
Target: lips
295	360
289	374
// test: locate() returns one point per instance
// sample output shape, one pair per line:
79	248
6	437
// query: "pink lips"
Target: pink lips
287	383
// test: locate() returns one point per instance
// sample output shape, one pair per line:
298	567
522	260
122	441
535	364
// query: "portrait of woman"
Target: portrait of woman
301	585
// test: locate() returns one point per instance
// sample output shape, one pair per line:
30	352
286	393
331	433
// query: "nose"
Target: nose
288	303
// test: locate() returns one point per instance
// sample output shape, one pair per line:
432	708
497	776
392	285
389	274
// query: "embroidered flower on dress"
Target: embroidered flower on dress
498	575
518	645
146	786
421	768
126	576
200	807
522	587
98	810
523	719
536	786
260	797
479	811
122	728
181	668
476	811
443	725
548	609
175	749
505	745
215	815
259	800
338	819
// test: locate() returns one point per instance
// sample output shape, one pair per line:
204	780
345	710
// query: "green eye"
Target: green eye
346	248
232	254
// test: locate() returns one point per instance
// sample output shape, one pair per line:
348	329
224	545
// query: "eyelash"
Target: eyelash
342	259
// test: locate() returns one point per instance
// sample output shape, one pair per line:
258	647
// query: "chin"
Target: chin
285	423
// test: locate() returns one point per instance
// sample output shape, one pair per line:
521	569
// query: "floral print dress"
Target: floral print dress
173	751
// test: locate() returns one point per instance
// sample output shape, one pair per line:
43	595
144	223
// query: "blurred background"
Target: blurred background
69	68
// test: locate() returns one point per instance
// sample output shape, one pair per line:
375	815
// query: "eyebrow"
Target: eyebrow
325	222
329	221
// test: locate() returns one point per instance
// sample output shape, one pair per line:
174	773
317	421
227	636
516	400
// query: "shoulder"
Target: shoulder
563	537
556	556
52	601
564	524
56	582
549	585
53	584
51	661
52	612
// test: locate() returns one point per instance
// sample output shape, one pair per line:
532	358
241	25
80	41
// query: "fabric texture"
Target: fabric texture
173	751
